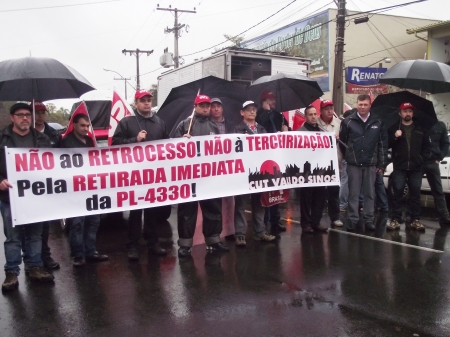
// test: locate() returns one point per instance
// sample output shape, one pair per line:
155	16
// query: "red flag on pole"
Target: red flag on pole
81	110
119	110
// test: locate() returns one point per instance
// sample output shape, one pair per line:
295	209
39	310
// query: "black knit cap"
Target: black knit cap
19	106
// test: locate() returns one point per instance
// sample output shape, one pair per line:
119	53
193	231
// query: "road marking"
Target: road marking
369	237
387	241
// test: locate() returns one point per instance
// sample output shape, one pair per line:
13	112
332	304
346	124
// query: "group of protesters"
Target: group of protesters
362	156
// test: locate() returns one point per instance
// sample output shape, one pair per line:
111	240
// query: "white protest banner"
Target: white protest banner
62	183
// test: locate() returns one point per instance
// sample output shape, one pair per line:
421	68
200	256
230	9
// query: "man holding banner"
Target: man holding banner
312	199
199	124
273	121
142	127
83	230
20	134
249	126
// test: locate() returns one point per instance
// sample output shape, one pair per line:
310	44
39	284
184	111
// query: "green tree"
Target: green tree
236	40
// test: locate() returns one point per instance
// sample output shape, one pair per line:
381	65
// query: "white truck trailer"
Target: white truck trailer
243	66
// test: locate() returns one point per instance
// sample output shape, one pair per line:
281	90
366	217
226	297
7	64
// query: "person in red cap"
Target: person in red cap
409	147
199	124
273	121
144	126
41	125
328	122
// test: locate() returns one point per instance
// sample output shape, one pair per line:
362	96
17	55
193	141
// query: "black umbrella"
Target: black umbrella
40	79
426	75
180	102
387	107
292	91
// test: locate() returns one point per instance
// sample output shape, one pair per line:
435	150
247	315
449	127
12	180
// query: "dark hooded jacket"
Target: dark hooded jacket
439	142
271	120
201	126
53	135
242	127
71	141
6	140
129	127
367	141
408	156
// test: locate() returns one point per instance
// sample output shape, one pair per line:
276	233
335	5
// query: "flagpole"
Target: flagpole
192	116
90	123
34	116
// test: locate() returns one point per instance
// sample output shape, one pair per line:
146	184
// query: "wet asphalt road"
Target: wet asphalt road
333	284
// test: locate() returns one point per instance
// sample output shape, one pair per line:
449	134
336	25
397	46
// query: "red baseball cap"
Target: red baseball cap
38	106
404	106
142	93
325	103
267	94
202	99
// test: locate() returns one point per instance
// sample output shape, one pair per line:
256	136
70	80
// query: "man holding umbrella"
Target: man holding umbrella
199	124
273	121
409	146
144	126
20	134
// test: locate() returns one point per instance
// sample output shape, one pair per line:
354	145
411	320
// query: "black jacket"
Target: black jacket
263	117
404	156
53	135
367	142
229	128
242	127
71	141
309	127
439	142
129	127
40	141
201	126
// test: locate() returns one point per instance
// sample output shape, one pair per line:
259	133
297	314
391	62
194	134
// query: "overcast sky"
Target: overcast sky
89	35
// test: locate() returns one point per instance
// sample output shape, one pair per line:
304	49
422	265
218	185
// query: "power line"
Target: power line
48	7
243	31
379	51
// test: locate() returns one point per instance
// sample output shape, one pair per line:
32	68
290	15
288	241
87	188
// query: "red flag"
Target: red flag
119	110
81	110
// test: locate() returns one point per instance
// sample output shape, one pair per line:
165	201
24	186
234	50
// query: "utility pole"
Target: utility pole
338	94
175	30
124	79
137	52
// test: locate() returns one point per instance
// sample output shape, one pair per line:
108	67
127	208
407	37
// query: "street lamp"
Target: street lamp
385	60
121	79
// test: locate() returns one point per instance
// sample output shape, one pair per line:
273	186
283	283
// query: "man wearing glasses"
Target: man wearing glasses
20	134
144	126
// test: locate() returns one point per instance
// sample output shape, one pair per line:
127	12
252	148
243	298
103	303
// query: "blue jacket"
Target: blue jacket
367	141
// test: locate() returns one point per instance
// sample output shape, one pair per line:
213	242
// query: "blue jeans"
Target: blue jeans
13	242
381	199
83	234
343	192
414	181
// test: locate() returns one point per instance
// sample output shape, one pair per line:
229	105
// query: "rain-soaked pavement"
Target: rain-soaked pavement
335	284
